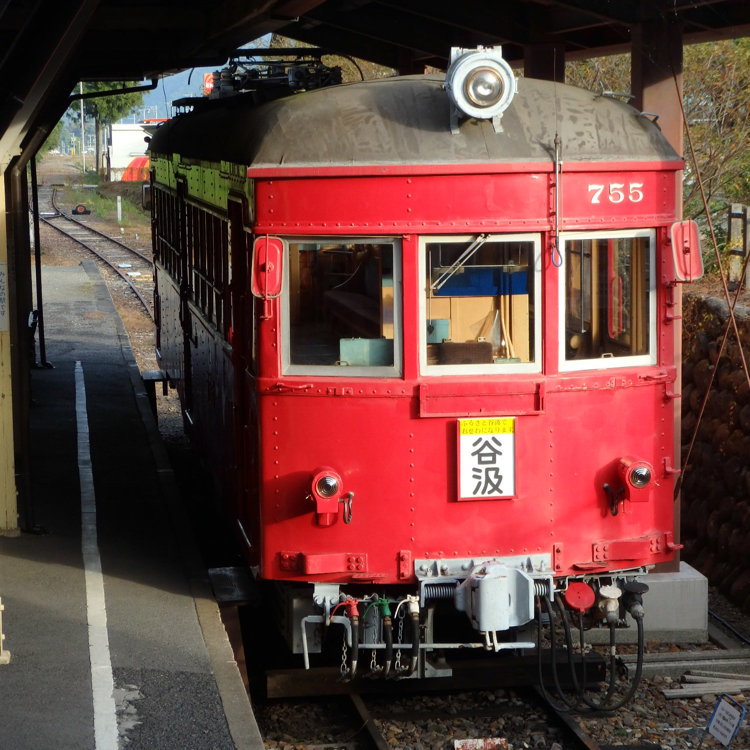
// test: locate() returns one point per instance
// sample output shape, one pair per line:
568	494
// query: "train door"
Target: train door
187	238
244	492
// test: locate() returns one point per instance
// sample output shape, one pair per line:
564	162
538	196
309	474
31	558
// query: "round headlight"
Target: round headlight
327	486
479	82
640	476
483	87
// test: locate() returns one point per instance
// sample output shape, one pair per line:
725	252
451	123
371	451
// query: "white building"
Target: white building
127	142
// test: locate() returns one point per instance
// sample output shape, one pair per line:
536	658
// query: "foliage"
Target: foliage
105	109
717	106
716	98
104	205
53	140
352	68
600	74
108	109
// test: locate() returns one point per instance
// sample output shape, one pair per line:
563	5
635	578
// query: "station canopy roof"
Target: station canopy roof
130	39
47	46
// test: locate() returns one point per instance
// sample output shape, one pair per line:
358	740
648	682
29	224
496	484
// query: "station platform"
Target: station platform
112	631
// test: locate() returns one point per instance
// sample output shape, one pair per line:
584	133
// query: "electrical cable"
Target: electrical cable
566	705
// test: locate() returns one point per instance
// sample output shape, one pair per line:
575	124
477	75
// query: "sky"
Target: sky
156	102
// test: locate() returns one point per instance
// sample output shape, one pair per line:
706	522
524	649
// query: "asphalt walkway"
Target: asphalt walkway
113	634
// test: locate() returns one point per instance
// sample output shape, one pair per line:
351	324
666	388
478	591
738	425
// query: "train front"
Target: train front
467	332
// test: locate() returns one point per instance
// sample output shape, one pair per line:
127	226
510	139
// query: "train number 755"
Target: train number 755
617	192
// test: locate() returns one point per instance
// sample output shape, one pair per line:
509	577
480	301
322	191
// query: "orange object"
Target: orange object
137	170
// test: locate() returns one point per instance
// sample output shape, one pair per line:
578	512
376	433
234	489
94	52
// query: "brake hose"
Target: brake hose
388	637
567	704
581	687
604	706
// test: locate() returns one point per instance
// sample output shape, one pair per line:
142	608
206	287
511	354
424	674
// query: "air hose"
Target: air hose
636	611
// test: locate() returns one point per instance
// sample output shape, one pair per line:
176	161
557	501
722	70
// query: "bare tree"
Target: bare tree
107	109
717	108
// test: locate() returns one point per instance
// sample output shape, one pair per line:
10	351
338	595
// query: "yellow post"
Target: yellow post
8	494
4	655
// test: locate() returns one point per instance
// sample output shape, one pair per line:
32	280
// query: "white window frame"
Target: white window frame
608	363
343	371
534	366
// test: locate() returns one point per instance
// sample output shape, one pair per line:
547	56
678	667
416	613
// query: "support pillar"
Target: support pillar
544	60
8	502
22	347
656	75
40	55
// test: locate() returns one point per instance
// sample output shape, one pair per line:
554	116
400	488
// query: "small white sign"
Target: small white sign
726	720
4	325
486	458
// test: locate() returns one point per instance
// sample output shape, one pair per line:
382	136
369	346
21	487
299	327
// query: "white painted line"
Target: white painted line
102	681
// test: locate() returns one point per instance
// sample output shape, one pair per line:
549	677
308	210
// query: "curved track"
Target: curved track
133	266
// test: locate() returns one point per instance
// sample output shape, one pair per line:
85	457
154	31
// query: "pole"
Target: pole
736	244
38	266
83	139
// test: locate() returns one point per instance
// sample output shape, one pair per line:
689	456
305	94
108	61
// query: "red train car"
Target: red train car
424	329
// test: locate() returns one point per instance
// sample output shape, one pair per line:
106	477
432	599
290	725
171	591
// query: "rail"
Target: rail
62	224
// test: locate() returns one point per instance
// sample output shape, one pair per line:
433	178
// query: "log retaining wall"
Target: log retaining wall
716	480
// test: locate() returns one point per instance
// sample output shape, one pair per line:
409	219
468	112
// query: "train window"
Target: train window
609	300
209	272
342	307
166	230
480	304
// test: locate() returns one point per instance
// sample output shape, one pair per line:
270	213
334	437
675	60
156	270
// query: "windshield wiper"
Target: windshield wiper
459	262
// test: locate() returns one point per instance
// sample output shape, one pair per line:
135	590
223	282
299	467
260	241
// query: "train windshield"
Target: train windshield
343	307
609	300
481	304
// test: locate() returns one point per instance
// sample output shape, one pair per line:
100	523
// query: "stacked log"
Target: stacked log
716	479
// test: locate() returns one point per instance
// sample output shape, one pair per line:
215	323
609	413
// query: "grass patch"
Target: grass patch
102	202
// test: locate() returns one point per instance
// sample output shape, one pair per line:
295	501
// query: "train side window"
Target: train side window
480	304
208	269
166	232
342	307
608	300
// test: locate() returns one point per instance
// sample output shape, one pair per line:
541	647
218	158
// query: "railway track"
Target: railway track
380	725
467	720
131	265
404	719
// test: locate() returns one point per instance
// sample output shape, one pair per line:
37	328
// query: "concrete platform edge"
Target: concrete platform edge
235	700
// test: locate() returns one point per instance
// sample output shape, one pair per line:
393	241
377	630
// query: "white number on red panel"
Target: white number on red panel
616	192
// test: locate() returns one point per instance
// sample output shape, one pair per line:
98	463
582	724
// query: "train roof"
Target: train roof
406	120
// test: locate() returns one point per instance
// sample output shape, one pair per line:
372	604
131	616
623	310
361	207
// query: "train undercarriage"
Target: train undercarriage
462	611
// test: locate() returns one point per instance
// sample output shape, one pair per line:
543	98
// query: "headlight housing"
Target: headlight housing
327	488
480	84
637	476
